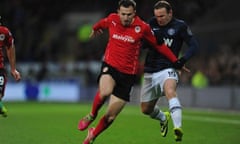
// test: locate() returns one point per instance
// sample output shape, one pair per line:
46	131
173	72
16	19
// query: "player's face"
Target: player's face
162	16
126	15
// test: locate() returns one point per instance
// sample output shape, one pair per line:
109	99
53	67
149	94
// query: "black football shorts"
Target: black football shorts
124	82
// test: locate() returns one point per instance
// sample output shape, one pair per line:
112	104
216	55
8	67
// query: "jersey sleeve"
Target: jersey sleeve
163	49
103	23
190	40
8	38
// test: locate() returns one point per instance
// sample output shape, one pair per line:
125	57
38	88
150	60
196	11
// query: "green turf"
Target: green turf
54	123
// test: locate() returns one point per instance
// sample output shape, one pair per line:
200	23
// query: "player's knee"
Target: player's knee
104	93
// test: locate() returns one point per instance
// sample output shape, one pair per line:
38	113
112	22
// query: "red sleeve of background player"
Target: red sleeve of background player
8	41
163	49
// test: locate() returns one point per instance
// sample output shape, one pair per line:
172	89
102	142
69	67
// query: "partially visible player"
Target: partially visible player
160	77
6	42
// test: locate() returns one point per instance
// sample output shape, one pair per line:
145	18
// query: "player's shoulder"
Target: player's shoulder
138	21
152	21
113	16
179	22
4	29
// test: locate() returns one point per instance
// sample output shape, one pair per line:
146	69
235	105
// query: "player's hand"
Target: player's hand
179	64
184	68
16	75
95	33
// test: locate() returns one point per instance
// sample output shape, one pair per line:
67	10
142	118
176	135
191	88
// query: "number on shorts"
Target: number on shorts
172	73
1	80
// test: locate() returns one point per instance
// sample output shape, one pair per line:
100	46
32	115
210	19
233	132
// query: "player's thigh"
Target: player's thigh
170	86
106	84
148	91
167	79
3	82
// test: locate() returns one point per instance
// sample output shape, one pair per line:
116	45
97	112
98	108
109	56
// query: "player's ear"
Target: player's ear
171	12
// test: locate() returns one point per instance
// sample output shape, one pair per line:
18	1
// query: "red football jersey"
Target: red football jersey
6	39
124	43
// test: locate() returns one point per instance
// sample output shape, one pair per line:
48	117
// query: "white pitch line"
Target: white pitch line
199	118
210	119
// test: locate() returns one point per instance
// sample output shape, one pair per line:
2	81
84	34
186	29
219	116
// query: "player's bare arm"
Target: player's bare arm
12	60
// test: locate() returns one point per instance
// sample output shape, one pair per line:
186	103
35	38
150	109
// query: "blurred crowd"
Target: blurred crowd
219	68
41	37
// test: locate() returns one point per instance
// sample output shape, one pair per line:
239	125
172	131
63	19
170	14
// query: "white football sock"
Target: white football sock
176	112
158	114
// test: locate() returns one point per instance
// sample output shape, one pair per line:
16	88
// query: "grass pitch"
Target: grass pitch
56	123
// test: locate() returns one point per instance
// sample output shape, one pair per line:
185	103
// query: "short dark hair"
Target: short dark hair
163	4
127	3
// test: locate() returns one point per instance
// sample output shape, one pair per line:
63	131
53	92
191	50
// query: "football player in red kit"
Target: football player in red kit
7	42
120	64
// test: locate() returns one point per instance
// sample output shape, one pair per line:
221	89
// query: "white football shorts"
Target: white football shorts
152	87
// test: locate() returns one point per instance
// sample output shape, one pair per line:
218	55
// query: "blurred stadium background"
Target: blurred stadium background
59	63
